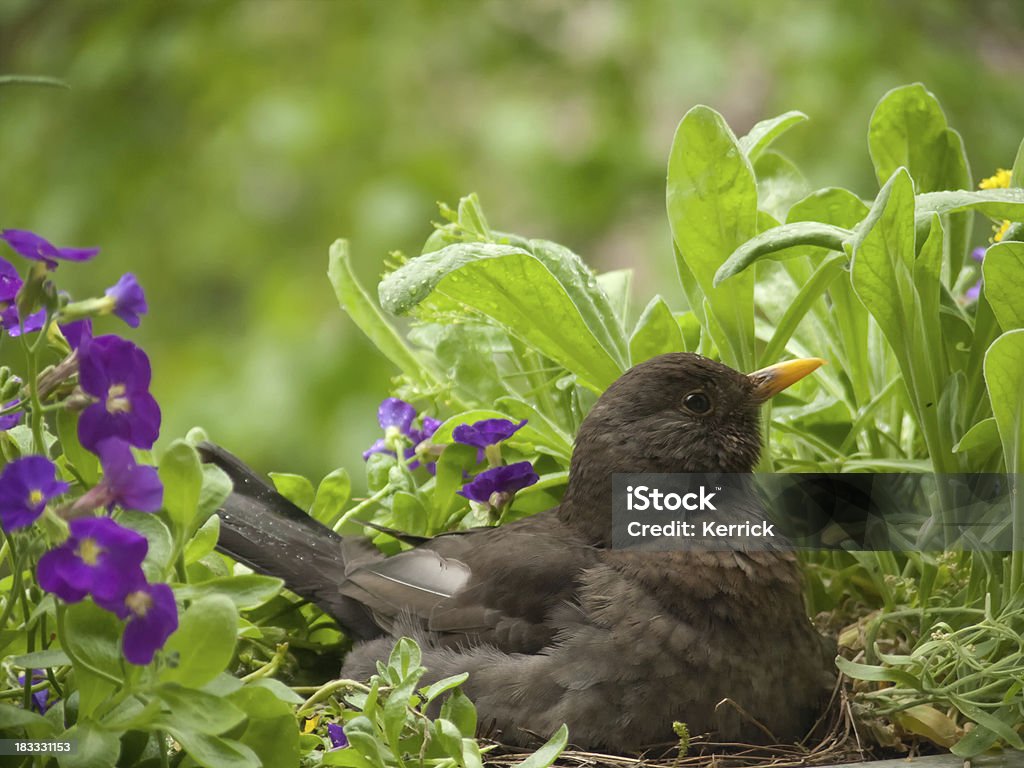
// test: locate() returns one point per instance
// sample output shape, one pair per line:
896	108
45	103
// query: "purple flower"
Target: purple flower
152	618
117	373
497	485
77	332
40	699
129	300
337	736
396	416
10	284
974	292
26	485
99	558
488	432
9	420
125	483
32	246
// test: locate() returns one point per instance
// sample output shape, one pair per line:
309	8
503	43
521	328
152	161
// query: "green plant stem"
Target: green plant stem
361	506
16	586
328	689
270	667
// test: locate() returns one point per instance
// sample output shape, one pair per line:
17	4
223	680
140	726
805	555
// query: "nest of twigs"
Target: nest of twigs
833	739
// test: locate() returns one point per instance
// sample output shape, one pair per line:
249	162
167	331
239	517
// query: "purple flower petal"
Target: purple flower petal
100	558
152	618
129	300
379	446
500	480
125	483
117	373
26	485
978	254
337	736
10	281
32	246
396	413
487	432
974	292
14	325
77	332
40	699
11	419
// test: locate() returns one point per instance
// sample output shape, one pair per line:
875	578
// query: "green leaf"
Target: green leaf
409	515
203	541
212	751
1017	174
983	436
774	242
460	710
1004	376
548	753
248	590
616	285
587	294
435	690
1004	283
994	203
200	711
354	300
296	488
454	461
94	636
279	689
53	657
331	497
712	209
656	333
94	747
546	316
908	129
16	717
161	544
883	258
204	642
271	731
780	184
215	489
85	463
876	674
767	131
182	476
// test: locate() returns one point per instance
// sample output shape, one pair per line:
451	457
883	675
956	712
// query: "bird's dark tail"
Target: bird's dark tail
266	532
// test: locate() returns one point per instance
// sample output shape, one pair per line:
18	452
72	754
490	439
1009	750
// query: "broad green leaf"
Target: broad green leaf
247	590
354	300
775	242
161	544
408	514
767	131
927	721
182	476
331	497
53	657
994	203
94	636
85	463
435	690
296	488
616	285
516	290
712	209
203	644
547	754
279	689
200	711
876	674
1004	283
831	205
883	258
656	333
94	747
17	717
983	435
556	440
1004	375
215	489
271	731
211	751
451	466
908	129
460	710
1017	174
587	294
779	184
203	541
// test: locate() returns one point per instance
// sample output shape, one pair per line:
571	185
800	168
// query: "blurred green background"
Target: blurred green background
216	149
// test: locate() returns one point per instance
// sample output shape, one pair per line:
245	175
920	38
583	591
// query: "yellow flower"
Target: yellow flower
1000	231
1001	180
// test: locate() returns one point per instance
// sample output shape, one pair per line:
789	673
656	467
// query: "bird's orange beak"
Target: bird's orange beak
769	381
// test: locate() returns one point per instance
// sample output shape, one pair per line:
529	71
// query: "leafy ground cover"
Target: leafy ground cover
123	629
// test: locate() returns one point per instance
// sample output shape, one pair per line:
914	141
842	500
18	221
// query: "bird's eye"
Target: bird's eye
697	402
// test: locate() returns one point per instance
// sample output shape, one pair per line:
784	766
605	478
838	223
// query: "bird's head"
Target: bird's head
682	412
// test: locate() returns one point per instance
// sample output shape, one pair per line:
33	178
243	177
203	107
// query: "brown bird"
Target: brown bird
552	624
